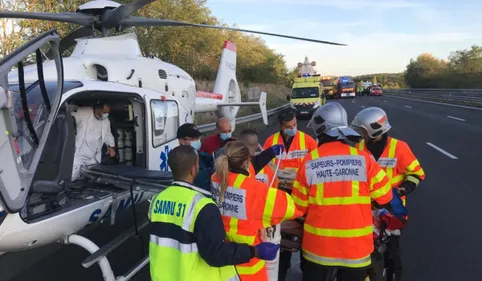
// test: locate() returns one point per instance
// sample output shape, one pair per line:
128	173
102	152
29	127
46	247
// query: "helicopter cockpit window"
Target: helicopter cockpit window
165	121
32	102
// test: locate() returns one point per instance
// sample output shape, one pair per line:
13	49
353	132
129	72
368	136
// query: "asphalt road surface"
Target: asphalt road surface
440	243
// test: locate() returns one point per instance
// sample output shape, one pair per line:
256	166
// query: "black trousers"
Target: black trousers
393	259
378	265
284	264
315	272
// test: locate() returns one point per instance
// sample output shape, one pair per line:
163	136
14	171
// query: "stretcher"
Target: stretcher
127	177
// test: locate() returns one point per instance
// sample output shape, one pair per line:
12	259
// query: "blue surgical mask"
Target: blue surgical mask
225	136
105	116
290	132
196	144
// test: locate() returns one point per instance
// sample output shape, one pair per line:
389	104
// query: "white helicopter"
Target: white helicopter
149	98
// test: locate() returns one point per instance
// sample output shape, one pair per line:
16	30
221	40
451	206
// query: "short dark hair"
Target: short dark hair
286	115
248	132
100	103
181	159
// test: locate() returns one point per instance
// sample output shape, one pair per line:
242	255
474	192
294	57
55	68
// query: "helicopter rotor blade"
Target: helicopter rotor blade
76	18
69	40
140	21
114	17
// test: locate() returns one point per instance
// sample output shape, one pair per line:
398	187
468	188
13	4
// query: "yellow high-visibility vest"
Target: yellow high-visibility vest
173	251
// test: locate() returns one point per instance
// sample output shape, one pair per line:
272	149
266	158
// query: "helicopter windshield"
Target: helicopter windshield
37	111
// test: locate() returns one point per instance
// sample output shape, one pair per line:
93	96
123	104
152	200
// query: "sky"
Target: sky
382	35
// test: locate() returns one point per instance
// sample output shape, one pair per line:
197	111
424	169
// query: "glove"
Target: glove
291	235
266	251
405	189
278	149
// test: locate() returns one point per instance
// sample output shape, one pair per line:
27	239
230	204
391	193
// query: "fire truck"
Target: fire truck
329	83
346	87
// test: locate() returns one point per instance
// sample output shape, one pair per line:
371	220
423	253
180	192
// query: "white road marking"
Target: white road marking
385	101
362	106
442	151
456	118
408	106
439	103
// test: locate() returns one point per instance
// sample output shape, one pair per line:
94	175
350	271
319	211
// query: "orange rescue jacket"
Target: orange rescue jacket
334	187
398	161
249	206
301	145
265	175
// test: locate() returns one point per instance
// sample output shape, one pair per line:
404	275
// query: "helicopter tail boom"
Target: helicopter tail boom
225	99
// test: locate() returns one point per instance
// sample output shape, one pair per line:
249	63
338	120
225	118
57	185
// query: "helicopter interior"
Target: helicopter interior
53	192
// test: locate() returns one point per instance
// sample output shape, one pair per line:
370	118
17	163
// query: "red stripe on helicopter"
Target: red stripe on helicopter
209	95
230	46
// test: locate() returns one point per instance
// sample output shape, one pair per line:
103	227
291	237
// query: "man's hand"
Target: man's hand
111	151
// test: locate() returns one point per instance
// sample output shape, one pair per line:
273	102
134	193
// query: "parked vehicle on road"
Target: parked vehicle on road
376	91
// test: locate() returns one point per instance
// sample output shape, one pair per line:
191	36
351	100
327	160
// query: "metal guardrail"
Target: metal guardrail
244	119
440	90
460	95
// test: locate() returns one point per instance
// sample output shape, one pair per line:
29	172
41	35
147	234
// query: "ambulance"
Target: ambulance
307	92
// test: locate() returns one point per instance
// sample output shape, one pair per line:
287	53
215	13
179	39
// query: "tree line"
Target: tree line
196	50
385	80
462	69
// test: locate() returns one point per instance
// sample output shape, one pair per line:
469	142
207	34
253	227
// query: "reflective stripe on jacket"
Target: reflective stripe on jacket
334	187
265	175
249	206
398	161
301	145
173	250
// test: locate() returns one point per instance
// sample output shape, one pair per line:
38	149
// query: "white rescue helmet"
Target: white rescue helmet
331	119
373	119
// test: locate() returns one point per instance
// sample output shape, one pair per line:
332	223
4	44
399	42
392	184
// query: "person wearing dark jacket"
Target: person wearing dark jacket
187	232
250	138
189	134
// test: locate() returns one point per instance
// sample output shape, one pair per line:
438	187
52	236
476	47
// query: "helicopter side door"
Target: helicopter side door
163	120
25	124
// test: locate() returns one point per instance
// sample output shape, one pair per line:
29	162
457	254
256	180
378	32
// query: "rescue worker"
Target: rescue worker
297	144
247	205
397	159
189	134
334	188
187	236
93	131
216	141
259	162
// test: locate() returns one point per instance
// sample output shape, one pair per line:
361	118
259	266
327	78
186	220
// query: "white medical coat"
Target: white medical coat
92	133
